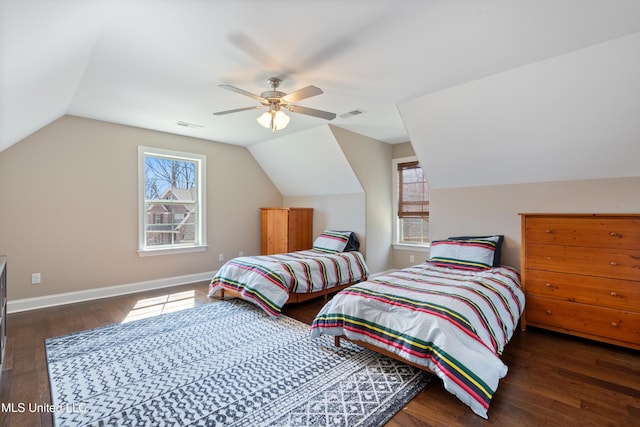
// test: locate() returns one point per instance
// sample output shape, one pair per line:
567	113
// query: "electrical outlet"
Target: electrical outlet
241	253
412	258
220	257
36	278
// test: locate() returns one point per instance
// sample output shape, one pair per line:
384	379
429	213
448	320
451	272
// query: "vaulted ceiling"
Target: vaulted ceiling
156	63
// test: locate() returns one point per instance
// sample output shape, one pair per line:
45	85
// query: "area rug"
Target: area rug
222	364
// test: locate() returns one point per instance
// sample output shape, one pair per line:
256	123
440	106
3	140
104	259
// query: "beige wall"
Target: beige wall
494	209
371	160
69	207
406	257
404	149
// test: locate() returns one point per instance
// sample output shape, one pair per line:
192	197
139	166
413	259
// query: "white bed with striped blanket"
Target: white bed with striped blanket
270	280
450	321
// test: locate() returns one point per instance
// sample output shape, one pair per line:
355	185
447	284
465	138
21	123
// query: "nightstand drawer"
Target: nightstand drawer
612	293
602	232
588	320
604	262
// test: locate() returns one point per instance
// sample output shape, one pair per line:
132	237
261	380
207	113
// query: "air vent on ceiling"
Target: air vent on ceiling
189	125
351	113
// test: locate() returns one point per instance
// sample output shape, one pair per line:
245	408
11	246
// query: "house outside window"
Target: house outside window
171	205
411	193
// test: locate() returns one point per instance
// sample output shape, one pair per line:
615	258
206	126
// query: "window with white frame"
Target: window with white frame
411	193
171	201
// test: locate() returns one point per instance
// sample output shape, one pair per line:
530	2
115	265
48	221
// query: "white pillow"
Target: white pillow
466	254
332	241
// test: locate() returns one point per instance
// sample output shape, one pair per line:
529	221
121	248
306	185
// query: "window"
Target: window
171	193
412	195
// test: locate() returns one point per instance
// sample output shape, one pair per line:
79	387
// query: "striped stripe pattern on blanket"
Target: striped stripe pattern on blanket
454	322
267	280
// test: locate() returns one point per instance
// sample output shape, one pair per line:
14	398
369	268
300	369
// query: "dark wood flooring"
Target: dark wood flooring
553	380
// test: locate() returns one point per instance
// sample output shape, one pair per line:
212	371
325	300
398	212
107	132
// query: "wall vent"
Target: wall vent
352	113
189	125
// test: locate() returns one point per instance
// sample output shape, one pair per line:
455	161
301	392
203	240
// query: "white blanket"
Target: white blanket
267	280
454	322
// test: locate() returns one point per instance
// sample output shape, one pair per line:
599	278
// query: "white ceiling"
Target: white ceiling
152	63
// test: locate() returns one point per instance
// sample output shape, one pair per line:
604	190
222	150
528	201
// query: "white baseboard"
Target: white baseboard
26	304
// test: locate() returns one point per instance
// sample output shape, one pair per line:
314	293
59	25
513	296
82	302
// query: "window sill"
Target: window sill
171	251
409	247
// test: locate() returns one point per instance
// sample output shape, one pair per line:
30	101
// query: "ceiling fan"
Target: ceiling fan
275	119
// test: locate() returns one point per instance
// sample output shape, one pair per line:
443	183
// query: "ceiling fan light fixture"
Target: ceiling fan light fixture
275	100
274	120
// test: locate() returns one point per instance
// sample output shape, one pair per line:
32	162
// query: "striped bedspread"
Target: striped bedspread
267	280
454	322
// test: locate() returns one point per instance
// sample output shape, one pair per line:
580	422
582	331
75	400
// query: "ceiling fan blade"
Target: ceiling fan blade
254	50
237	110
304	93
243	92
311	112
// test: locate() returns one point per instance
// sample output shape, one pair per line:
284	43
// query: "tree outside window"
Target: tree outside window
172	205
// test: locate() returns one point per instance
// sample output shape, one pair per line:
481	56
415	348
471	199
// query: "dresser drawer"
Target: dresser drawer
605	262
588	320
612	293
603	232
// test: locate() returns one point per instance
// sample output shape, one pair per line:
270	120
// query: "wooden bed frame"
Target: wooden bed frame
296	297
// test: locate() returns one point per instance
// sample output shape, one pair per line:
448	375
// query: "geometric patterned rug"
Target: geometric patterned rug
222	364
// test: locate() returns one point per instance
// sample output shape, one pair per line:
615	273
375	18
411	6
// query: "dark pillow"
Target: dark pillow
498	254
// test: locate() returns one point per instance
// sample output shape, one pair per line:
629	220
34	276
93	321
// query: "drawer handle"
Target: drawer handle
614	263
548	311
548	285
613	234
614	324
547	231
614	294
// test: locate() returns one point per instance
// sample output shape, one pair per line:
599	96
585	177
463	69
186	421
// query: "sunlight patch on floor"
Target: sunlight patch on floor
169	303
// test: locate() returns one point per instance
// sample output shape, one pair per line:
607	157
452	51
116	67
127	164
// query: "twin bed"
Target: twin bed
452	315
271	281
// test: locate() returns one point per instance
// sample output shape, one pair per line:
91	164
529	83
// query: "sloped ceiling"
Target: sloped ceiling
574	116
308	163
153	63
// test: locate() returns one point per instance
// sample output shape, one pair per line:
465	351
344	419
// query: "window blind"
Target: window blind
413	191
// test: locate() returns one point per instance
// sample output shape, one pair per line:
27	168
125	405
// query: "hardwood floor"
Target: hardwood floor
553	380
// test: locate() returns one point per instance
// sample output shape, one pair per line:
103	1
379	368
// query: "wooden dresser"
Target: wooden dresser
286	230
581	274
